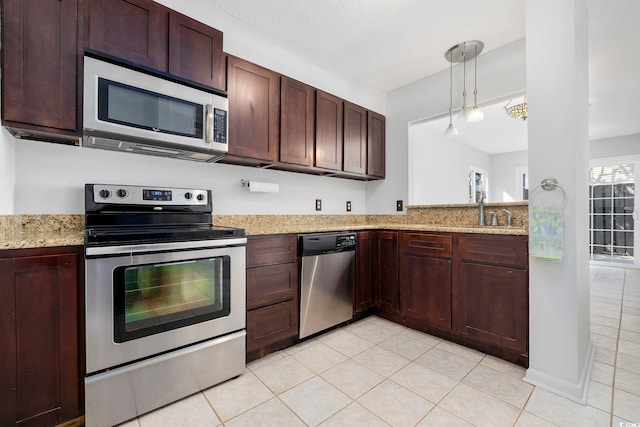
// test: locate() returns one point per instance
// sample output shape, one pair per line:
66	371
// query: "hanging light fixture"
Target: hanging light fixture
475	114
517	111
451	131
461	53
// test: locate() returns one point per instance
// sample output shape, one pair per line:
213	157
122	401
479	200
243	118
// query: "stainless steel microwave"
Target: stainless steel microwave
131	111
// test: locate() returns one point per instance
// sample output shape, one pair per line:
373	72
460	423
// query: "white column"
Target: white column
560	349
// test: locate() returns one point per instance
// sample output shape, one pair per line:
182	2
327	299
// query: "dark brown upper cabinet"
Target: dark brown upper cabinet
151	35
355	139
376	144
254	110
40	54
195	51
134	30
328	131
297	119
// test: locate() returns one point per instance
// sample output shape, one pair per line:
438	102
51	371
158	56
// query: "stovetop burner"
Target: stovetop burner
125	214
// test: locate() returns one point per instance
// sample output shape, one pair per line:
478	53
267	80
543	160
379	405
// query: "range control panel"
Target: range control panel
145	195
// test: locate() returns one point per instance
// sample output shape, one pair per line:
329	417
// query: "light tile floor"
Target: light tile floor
378	373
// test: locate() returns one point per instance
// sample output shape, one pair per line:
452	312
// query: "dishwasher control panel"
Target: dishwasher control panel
316	244
345	241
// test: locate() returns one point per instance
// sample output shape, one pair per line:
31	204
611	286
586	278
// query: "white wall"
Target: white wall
503	72
49	177
439	167
502	176
7	172
627	145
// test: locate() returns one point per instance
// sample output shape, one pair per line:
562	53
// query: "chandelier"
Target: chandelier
461	53
517	111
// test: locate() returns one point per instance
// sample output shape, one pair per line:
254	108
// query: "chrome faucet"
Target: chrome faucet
509	217
481	206
494	219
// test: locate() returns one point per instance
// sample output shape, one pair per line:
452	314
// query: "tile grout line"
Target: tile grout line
615	360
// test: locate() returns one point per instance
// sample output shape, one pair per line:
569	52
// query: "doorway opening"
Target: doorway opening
612	213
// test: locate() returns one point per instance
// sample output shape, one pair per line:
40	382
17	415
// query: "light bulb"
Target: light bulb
475	115
451	131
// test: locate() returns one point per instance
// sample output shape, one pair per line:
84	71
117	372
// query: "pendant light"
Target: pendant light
461	52
451	131
475	114
463	110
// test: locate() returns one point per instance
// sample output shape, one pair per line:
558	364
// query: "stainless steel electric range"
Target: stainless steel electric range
164	299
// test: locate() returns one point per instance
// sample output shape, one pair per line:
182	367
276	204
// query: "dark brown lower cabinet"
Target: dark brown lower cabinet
385	256
425	279
272	294
269	326
490	304
364	297
40	373
426	290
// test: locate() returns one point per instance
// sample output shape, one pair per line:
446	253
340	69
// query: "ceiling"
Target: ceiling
390	43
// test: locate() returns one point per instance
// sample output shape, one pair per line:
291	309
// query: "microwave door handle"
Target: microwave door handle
208	126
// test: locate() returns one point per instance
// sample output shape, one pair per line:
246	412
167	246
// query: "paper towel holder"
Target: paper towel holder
260	187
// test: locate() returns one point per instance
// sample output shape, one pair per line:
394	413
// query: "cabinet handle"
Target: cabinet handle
208	125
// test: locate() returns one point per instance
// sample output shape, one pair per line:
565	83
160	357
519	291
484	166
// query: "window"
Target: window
522	183
611	213
477	184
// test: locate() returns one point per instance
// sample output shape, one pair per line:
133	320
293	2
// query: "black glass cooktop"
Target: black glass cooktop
101	236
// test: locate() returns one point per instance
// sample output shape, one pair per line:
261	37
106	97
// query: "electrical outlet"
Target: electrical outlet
399	207
318	204
348	205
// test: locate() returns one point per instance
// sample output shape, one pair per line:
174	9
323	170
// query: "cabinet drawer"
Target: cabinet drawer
426	244
271	324
271	250
507	250
271	284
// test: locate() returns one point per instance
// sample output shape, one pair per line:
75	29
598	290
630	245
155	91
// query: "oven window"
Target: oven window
130	106
154	298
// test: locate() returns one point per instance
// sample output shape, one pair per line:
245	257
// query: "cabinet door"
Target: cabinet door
134	30
271	324
297	119
40	53
386	271
39	335
328	131
355	139
490	304
364	289
195	51
426	290
376	144
254	110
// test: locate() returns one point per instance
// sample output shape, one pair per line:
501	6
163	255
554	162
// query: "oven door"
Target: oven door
146	300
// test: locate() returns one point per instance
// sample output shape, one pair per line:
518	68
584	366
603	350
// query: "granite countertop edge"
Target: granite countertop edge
76	238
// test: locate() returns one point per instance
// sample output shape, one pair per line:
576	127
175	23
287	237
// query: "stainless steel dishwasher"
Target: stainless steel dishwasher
327	278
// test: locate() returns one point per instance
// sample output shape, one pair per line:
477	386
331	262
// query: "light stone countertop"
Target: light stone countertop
38	231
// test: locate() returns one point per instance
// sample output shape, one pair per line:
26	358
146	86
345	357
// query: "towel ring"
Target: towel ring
548	184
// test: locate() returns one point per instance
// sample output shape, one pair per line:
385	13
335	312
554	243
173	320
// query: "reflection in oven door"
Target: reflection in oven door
153	298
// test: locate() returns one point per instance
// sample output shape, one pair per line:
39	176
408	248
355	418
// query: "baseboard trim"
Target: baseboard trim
578	392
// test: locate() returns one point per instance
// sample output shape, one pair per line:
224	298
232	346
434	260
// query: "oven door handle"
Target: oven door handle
163	247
